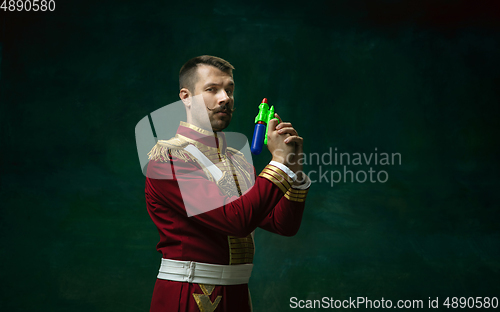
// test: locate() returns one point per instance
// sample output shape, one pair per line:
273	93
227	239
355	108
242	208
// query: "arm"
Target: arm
237	216
286	217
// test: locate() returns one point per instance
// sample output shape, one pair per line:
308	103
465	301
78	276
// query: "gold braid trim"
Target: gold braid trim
175	146
241	249
277	176
242	171
203	300
240	161
296	195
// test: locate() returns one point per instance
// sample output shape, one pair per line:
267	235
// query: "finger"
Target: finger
272	125
288	130
283	124
294	139
277	116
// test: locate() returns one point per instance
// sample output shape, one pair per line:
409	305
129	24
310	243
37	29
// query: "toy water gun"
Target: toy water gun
261	122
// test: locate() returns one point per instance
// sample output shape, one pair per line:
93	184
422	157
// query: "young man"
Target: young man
206	202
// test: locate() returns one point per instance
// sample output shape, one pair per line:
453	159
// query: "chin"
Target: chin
220	125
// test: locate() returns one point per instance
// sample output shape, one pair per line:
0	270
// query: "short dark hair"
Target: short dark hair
188	73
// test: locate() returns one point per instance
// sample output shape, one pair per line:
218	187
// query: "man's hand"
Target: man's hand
285	144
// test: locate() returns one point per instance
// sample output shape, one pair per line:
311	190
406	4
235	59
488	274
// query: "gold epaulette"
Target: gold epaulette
175	147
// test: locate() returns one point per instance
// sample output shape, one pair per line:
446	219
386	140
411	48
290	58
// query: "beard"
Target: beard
220	122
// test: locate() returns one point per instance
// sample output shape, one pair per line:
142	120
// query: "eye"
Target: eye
229	92
210	89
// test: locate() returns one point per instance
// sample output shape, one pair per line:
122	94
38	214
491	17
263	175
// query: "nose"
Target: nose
223	97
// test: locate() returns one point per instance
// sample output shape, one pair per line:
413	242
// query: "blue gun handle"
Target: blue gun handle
258	138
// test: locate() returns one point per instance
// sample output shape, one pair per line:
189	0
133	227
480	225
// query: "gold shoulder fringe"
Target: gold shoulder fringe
175	146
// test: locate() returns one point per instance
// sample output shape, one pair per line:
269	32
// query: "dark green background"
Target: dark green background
420	78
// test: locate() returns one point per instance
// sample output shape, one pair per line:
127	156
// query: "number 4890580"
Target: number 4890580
28	5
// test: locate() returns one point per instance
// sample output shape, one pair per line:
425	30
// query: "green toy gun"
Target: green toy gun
261	122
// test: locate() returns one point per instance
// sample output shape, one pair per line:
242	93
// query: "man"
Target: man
206	202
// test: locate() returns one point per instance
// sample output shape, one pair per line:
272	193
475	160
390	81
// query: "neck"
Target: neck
190	120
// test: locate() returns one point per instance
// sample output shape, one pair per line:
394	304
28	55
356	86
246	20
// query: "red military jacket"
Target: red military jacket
221	230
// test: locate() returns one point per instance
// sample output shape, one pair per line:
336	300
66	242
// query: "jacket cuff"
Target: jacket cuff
285	169
306	183
296	195
277	176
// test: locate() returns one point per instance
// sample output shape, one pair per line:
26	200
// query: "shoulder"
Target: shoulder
165	150
169	154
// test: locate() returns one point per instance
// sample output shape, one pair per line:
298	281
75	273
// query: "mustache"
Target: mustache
223	108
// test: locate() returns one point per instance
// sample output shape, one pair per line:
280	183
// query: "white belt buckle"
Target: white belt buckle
191	266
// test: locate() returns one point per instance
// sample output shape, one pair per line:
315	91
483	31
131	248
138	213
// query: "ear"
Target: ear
186	97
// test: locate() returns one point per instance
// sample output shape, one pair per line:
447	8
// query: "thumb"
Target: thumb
272	125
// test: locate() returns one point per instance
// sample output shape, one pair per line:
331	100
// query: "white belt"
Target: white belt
204	273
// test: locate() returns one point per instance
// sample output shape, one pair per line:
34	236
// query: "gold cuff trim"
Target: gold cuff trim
296	195
274	180
277	176
297	191
280	172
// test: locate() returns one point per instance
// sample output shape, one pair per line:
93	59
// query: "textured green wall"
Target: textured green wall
419	79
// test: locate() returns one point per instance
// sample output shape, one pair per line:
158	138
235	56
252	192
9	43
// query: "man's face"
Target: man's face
217	89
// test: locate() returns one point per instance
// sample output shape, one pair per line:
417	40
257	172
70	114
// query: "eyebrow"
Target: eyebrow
231	84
